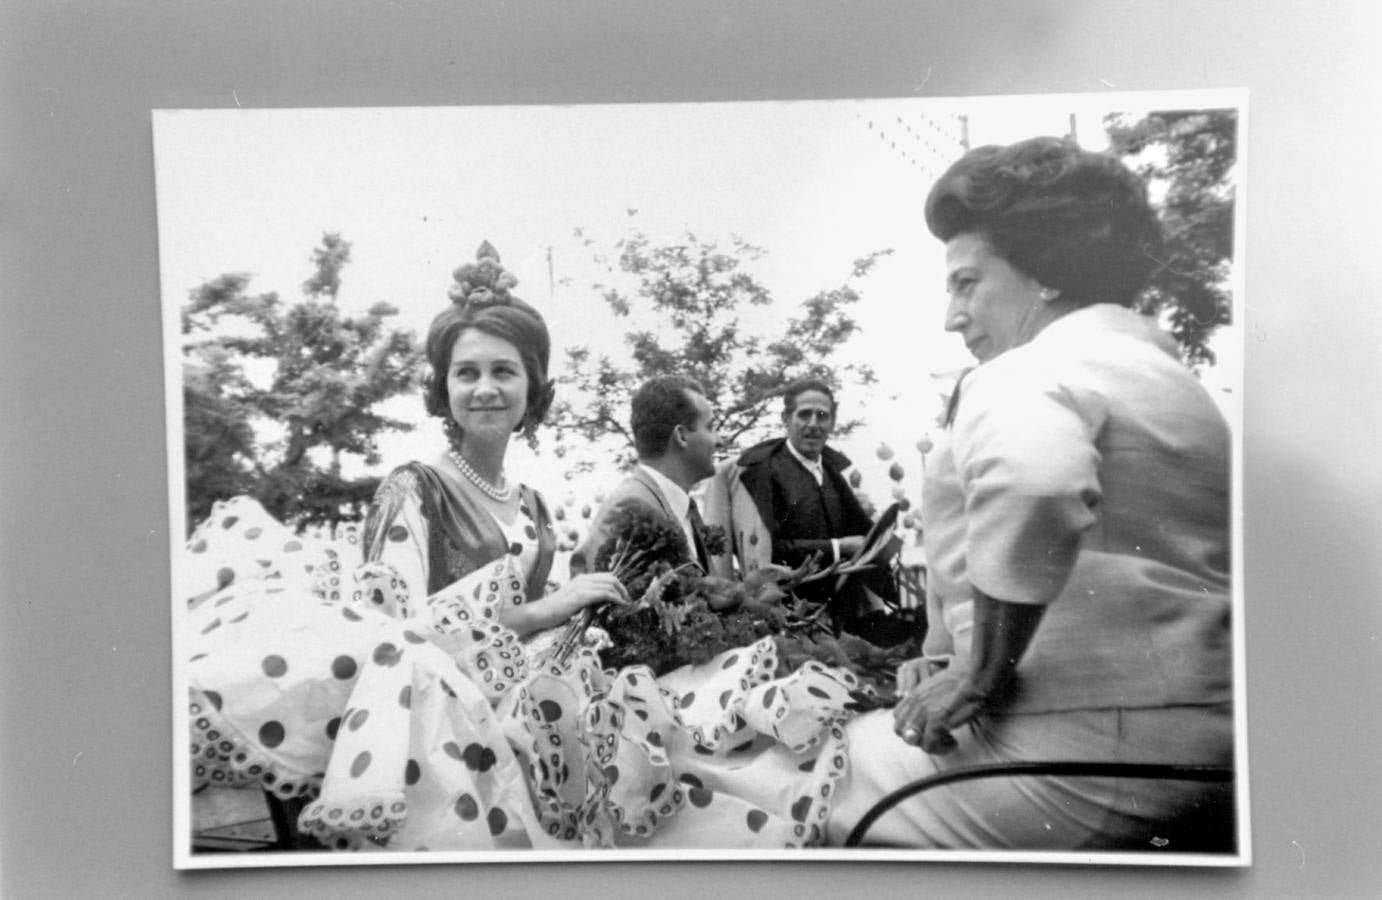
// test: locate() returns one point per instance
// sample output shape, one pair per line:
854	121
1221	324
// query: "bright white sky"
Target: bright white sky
415	191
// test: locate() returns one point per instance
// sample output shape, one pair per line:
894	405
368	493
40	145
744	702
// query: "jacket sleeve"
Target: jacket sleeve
583	559
718	513
749	538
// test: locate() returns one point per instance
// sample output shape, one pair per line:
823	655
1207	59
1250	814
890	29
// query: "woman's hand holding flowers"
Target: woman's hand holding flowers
589	590
579	596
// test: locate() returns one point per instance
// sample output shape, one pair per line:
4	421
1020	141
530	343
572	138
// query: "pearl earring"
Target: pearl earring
1048	294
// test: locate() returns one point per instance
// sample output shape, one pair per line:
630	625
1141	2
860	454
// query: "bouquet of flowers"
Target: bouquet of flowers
681	616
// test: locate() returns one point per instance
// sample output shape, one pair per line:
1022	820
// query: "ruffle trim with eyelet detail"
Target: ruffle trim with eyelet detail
436	728
222	757
465	623
639	755
544	727
379	587
363	824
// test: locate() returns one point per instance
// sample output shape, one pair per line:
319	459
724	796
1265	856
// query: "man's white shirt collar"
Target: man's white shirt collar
812	465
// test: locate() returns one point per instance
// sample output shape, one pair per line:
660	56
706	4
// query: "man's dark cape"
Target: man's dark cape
802	517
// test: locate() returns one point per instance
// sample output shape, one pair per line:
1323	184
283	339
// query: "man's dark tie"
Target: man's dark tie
693	515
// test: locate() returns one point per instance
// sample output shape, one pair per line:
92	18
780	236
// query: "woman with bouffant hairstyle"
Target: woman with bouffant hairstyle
1077	222
438	520
514	322
1077	532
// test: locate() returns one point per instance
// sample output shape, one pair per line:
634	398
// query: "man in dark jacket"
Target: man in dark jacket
806	506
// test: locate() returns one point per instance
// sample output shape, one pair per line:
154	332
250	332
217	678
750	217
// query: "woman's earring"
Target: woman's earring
452	429
1048	294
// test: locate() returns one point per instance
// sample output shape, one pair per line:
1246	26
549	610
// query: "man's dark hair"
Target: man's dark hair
659	405
797	388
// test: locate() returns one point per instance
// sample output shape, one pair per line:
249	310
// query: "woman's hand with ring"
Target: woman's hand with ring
929	712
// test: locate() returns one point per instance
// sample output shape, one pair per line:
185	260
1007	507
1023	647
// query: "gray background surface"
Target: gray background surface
85	801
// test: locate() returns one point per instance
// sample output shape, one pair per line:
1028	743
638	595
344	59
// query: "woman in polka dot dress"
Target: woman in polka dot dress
410	700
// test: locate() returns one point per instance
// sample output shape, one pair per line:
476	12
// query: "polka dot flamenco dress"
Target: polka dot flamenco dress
424	724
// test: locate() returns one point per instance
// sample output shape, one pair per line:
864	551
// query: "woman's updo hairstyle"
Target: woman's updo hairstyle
1074	220
481	299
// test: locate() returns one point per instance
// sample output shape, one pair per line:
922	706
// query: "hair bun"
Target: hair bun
484	282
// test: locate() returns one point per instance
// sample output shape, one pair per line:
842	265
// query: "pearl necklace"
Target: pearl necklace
499	495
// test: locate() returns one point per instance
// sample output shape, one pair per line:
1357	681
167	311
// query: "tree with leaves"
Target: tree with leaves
316	374
684	300
1187	158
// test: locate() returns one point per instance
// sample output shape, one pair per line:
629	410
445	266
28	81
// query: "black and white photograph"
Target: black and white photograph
838	479
689	449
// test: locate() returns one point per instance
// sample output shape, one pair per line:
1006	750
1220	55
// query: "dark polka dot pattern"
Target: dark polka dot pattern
497	820
271	734
550	710
387	654
643	743
477	757
467	808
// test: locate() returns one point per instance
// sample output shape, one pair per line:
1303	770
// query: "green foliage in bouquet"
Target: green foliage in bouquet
642	545
681	616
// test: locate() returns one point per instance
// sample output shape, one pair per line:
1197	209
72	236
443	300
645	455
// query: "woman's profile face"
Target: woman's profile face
487	384
993	306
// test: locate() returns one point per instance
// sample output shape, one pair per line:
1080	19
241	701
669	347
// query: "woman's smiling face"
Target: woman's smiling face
487	384
993	306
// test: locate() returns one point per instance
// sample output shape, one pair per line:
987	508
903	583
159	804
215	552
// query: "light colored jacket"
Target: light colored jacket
636	489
